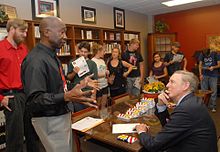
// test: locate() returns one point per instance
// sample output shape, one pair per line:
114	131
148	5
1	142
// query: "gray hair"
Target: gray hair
189	77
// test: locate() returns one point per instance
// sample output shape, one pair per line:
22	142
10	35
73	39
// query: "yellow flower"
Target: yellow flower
154	87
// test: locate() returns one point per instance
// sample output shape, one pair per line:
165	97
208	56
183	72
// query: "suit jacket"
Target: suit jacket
189	129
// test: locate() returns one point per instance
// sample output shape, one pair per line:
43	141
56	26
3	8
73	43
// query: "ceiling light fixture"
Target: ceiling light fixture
179	2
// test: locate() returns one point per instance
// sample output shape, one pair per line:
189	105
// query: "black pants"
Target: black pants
15	127
116	92
32	140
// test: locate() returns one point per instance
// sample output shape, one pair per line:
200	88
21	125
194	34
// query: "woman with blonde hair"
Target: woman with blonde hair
118	75
102	94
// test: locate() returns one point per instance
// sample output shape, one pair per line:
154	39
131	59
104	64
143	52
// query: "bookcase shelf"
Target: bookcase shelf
78	33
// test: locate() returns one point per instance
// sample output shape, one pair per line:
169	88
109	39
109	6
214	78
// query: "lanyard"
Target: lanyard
62	75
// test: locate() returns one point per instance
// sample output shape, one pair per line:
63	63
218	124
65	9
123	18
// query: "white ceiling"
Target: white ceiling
154	7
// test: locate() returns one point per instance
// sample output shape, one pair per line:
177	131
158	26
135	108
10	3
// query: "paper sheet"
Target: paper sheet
124	128
86	123
82	64
151	79
137	83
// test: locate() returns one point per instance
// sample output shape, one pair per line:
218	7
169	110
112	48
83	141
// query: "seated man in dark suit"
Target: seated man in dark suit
189	128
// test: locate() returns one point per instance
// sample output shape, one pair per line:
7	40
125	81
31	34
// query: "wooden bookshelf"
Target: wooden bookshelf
78	33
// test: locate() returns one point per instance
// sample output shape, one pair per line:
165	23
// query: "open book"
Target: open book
86	123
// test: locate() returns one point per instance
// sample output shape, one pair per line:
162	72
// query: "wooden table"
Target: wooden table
103	132
205	95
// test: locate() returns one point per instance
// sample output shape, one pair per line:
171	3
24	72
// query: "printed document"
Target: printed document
124	128
87	123
82	64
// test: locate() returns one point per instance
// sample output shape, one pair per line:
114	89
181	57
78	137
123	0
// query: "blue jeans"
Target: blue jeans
210	82
130	87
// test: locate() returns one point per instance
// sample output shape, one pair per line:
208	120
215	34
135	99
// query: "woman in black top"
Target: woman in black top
117	75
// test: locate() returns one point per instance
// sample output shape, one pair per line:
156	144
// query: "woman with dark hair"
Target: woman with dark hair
158	69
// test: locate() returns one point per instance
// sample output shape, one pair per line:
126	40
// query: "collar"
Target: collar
9	46
46	49
181	99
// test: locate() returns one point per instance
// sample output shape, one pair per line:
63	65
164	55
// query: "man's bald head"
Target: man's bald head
49	23
52	32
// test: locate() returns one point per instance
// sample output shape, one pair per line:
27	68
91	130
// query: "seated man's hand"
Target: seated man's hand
142	128
163	98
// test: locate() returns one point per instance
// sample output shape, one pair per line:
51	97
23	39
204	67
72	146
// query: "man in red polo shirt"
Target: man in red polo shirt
12	53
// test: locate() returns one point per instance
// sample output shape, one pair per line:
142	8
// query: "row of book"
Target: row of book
65	50
128	37
65	68
2	130
3	33
36	32
88	34
112	36
109	47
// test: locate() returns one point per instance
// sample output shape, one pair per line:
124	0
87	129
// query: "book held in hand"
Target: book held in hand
82	64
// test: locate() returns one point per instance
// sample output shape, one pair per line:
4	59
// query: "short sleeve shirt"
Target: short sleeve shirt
176	65
134	58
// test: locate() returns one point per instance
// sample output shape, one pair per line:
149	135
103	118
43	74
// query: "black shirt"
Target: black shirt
176	65
119	80
42	82
134	58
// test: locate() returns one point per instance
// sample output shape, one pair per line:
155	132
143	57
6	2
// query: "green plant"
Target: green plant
161	26
3	16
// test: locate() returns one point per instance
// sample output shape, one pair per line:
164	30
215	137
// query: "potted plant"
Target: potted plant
3	16
161	26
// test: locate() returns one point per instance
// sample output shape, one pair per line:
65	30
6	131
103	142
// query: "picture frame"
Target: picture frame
9	10
119	18
88	15
213	41
44	8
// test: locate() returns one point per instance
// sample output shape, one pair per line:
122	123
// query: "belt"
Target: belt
10	91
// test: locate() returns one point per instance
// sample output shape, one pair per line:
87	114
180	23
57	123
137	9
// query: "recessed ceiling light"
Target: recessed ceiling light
179	2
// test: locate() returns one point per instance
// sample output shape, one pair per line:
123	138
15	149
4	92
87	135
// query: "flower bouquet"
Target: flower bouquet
154	87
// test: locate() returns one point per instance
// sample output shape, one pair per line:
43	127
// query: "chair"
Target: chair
205	95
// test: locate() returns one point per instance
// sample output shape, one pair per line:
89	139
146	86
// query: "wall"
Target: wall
70	12
192	27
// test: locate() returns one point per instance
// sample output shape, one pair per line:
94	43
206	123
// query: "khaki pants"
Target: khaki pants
55	132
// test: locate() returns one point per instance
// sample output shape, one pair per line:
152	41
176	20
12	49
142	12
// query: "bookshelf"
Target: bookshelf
127	36
86	33
75	34
159	42
78	33
112	38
